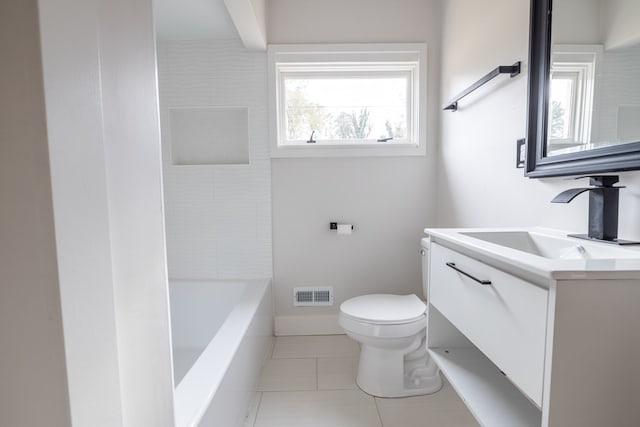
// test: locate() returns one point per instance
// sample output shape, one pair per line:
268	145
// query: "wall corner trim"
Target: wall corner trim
249	19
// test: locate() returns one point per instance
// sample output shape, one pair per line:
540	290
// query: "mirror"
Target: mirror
584	87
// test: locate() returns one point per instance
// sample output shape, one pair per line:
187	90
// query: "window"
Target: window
571	97
346	100
563	105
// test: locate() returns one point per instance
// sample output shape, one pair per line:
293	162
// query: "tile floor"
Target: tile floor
310	382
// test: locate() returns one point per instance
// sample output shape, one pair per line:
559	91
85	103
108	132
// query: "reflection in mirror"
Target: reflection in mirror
594	92
575	72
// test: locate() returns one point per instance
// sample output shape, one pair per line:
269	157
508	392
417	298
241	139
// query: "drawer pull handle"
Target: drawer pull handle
482	282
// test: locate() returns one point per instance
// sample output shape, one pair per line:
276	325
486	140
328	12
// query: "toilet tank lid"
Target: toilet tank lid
384	308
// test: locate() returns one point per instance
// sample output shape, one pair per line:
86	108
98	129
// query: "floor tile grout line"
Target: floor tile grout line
281	353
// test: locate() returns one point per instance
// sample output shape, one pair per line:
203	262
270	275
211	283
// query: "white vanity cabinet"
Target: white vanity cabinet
523	348
506	318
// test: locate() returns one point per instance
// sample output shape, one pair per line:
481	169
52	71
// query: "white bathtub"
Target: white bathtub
222	332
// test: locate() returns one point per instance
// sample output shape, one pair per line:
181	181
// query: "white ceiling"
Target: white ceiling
192	20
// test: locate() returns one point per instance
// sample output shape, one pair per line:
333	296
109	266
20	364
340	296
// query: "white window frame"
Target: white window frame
581	64
367	60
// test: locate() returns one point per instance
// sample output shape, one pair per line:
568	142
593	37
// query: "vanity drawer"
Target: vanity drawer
506	319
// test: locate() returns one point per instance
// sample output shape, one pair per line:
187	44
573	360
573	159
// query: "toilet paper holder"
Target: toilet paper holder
334	226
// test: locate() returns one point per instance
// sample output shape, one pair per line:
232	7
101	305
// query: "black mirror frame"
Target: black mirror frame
606	159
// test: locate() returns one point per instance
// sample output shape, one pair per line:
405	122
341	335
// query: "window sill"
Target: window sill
352	151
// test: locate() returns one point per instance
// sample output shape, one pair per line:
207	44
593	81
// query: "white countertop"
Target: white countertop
539	268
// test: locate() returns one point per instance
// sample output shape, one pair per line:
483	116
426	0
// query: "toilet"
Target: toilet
391	330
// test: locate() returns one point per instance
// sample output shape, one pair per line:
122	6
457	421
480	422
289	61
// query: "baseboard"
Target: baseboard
308	325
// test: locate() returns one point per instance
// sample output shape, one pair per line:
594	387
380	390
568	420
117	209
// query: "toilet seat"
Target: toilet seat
384	309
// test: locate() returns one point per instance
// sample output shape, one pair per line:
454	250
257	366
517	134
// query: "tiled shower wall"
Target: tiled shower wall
619	91
218	217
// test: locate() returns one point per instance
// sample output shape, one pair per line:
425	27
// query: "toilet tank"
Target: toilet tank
424	252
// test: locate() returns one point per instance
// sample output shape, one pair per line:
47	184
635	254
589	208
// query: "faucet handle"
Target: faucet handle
601	180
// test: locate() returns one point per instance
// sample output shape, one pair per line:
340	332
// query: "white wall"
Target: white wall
218	218
133	159
577	22
620	22
106	274
389	200
478	183
75	137
612	23
32	355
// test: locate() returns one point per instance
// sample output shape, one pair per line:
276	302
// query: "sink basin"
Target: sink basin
551	247
538	254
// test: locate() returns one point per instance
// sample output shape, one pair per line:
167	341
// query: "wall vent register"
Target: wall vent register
312	296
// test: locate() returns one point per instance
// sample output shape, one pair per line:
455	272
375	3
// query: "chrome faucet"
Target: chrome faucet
603	207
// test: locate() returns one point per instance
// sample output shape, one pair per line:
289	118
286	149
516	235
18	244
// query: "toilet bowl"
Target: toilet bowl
391	330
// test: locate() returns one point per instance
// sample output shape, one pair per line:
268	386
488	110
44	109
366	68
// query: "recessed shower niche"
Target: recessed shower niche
209	135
